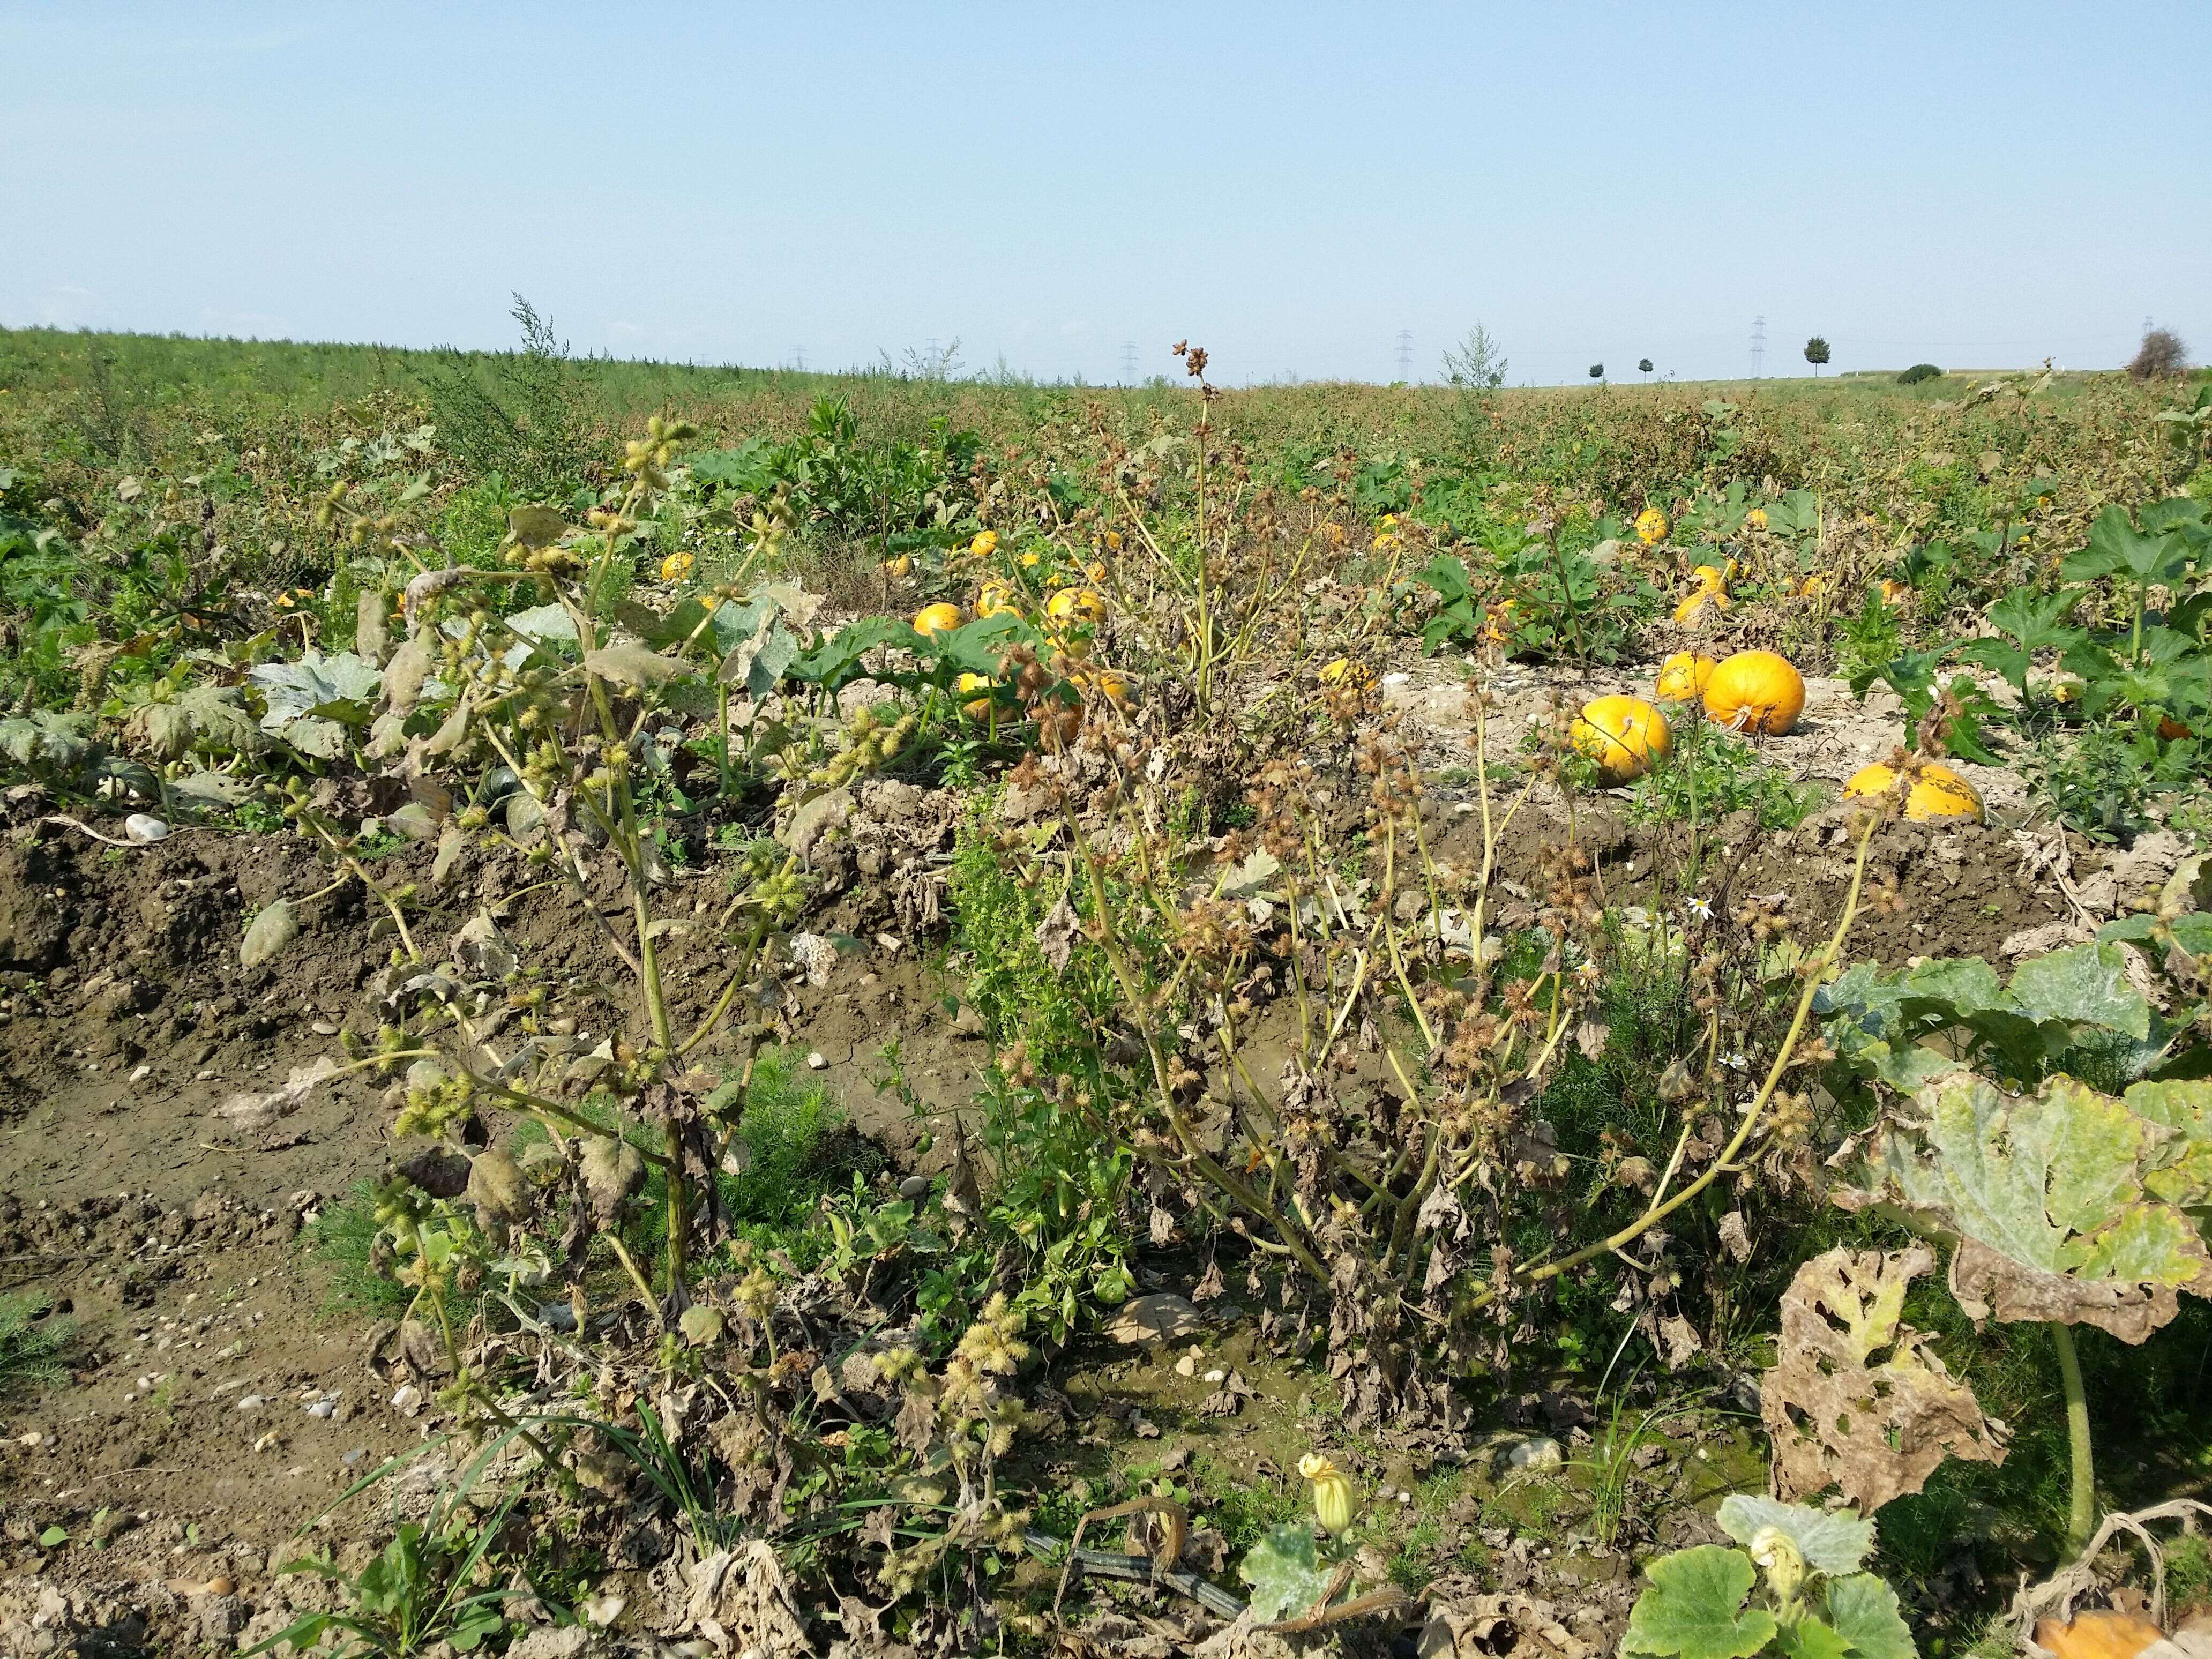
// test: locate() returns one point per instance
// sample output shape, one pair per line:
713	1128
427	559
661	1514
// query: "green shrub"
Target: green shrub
1917	372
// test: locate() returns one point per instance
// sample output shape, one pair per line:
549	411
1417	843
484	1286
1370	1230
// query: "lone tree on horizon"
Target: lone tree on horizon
1643	366
1816	353
1597	371
2161	357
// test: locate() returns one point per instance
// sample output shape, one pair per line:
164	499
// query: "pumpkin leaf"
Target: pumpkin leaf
1285	1572
2082	985
1810	1637
632	663
2045	1195
1863	1611
1833	1541
2183	1171
1694	1607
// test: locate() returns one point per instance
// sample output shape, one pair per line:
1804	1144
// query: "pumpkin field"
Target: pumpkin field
652	1010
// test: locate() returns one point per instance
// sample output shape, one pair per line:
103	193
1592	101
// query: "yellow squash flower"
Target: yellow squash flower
1756	518
1334	1499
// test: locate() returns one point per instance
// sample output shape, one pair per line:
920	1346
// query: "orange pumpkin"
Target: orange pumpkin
1623	735
940	618
1682	677
1937	792
1756	691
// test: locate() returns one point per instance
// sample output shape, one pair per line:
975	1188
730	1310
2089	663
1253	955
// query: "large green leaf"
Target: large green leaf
2082	985
1863	1610
1285	1572
43	739
1832	1541
2045	1195
1694	1607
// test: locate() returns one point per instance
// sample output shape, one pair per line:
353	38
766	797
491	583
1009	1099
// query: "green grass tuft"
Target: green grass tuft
31	1344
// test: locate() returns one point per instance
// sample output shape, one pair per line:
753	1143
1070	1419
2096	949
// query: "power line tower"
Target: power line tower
1757	345
1128	360
799	358
1405	354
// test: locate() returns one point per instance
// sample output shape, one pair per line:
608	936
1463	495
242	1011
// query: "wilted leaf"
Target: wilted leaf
2045	1195
1055	934
1833	1541
1285	1572
45	740
204	717
1694	1607
535	527
1855	1401
252	1112
632	663
207	791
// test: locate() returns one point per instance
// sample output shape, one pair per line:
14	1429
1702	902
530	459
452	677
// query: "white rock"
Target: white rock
1540	1453
142	828
815	1063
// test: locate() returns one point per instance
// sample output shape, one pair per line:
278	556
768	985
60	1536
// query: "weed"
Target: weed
32	1345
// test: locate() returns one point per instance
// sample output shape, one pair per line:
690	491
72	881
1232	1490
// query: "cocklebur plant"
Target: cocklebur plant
1382	1159
542	727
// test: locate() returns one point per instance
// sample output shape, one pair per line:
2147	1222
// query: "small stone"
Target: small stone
1542	1452
815	1062
915	1188
1216	1375
251	1402
1162	1317
144	828
1187	1366
142	1073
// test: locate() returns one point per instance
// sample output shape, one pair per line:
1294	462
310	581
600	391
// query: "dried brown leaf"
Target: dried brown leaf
1856	1400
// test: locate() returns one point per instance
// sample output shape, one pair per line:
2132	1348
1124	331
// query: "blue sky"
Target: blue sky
1291	186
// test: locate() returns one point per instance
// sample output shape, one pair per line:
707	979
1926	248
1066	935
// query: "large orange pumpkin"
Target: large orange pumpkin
1755	691
1937	792
1623	735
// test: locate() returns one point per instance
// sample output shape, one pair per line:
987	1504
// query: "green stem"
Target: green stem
2082	1505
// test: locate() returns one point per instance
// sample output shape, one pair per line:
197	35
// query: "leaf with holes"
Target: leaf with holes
1856	1400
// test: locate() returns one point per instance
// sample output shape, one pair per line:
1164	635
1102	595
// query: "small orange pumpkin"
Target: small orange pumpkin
1623	735
1682	677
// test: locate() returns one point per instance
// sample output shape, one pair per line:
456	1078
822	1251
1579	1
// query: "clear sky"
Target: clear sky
1975	184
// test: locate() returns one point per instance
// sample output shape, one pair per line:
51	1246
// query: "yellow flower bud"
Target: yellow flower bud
1334	1500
